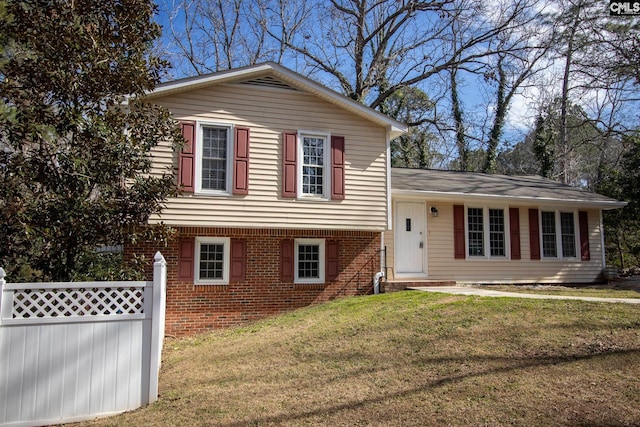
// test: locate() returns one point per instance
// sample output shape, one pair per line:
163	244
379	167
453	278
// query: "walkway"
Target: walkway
464	290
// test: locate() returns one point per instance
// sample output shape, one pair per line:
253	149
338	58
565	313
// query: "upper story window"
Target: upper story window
486	232
558	232
213	158
313	171
313	165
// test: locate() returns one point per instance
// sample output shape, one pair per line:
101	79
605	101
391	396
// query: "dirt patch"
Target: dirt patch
631	283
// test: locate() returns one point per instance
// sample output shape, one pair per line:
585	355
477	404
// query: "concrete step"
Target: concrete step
401	285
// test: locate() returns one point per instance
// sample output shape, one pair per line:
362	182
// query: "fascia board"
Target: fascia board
395	127
296	80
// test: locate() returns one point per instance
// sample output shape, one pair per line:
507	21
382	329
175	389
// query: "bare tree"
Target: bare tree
372	49
596	92
212	35
515	64
469	59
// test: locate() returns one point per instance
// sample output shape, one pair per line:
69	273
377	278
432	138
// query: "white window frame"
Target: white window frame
326	185
226	242
321	260
486	232
199	155
559	249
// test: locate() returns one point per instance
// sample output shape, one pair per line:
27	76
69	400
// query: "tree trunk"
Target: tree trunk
461	143
564	101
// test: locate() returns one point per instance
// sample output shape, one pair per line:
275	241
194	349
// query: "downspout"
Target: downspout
380	274
602	248
376	282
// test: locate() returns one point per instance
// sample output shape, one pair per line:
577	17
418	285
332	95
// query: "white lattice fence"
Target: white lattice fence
74	351
58	300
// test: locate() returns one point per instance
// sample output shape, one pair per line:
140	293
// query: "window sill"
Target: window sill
309	198
310	286
200	287
213	193
558	259
210	283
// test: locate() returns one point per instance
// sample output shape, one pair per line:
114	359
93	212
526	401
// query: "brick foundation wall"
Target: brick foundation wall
197	308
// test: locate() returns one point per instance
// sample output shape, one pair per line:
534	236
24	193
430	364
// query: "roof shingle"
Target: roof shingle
473	184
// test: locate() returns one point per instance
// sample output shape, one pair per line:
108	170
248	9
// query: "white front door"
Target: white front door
410	239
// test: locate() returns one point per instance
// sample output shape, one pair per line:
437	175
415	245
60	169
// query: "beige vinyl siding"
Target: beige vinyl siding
267	113
443	266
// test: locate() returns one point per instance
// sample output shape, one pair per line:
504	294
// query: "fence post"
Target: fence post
157	323
2	283
6	298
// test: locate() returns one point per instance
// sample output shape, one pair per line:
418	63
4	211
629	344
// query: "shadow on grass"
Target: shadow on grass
517	363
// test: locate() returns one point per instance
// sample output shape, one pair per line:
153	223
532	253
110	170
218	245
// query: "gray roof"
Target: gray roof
472	185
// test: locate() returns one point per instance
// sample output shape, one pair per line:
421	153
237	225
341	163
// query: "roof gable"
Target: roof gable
528	188
273	75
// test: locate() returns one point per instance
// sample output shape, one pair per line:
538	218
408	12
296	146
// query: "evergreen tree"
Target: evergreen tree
75	170
622	237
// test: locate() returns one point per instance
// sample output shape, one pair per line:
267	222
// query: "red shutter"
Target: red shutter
534	234
514	230
238	258
289	164
186	259
458	232
583	218
241	161
337	168
287	261
332	257
186	158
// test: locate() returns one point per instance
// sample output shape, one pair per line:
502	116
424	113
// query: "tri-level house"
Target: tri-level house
288	199
285	196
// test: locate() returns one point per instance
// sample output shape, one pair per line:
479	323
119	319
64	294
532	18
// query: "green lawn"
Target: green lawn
408	358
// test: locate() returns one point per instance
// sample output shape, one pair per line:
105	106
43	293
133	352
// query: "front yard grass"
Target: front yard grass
408	358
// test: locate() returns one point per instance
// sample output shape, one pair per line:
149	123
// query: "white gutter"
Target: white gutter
436	195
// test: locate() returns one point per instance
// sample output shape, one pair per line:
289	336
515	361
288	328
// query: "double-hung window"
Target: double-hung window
309	260
475	227
568	234
486	232
497	241
314	161
549	240
212	260
214	159
558	231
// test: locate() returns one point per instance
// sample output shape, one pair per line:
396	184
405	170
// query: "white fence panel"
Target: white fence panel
75	351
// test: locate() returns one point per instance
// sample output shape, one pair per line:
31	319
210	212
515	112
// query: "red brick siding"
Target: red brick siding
196	308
